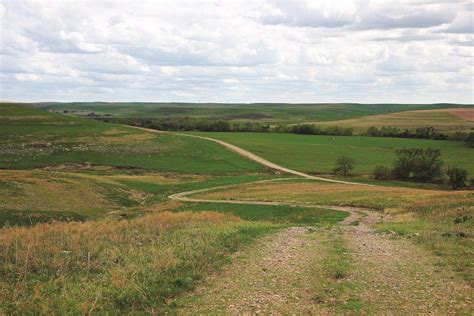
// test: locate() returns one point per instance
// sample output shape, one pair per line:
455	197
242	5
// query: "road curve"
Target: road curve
249	155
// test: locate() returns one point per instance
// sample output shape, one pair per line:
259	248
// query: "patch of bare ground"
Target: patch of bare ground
395	276
273	277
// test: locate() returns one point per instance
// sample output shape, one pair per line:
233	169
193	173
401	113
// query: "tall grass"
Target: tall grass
118	267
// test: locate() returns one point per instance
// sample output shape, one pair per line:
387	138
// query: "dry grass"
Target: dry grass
50	191
442	119
125	266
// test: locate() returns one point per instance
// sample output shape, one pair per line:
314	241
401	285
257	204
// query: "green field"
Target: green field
264	112
86	225
290	215
317	154
31	138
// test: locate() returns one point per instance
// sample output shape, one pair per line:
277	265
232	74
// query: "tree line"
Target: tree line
207	125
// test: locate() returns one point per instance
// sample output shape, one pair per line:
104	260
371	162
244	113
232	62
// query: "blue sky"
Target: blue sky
237	51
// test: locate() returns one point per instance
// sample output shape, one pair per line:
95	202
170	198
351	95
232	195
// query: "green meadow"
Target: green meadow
317	154
31	138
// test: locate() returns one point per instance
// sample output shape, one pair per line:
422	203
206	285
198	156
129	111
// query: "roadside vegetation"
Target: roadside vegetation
115	266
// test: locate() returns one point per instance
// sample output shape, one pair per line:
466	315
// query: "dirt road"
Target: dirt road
290	272
249	155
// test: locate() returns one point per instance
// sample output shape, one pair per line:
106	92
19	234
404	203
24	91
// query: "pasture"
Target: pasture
32	138
317	154
263	112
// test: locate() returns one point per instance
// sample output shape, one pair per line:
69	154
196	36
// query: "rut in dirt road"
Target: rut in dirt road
397	276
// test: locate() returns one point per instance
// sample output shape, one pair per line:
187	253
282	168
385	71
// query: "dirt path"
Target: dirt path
280	275
247	154
283	272
270	278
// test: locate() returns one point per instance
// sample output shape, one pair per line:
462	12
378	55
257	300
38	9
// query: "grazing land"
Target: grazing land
101	218
317	153
34	138
265	112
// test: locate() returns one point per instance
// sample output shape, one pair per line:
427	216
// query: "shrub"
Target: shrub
382	173
344	165
457	177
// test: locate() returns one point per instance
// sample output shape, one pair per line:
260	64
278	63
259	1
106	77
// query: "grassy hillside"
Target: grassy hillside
32	138
318	154
444	120
265	112
115	267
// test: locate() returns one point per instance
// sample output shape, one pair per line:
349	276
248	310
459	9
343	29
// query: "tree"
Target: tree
405	162
344	165
418	163
457	177
381	172
428	165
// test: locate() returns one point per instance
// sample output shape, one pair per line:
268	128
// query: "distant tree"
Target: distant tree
381	172
457	177
418	163
344	165
470	139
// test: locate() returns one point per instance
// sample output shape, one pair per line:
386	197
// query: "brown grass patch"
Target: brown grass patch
50	191
466	114
442	119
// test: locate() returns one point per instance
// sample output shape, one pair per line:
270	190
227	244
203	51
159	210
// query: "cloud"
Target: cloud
464	23
236	51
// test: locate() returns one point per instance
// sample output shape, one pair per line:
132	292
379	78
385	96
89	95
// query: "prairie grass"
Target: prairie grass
318	153
31	138
114	266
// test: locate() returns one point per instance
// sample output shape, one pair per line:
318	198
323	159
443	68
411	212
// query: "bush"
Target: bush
470	139
344	166
457	177
417	163
382	173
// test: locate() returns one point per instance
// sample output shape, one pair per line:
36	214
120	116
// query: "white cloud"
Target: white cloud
237	51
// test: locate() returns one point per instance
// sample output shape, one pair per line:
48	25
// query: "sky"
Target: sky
365	51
